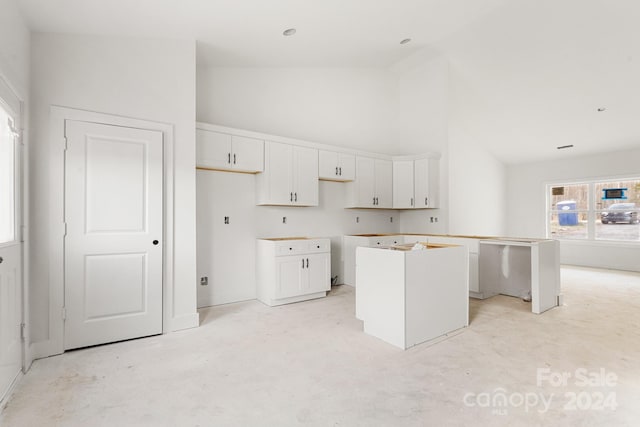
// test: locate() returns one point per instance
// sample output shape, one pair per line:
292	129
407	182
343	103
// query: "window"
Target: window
594	210
7	178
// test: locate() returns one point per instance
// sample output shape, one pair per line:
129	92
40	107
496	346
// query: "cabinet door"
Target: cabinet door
427	182
434	183
474	285
346	167
213	150
421	179
305	185
289	274
247	155
384	184
365	182
328	165
317	275
403	197
279	174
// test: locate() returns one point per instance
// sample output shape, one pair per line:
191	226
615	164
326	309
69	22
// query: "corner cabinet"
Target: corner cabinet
292	270
290	176
416	183
373	186
335	166
226	152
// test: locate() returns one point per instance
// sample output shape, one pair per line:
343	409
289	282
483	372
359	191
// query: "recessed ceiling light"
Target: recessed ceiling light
289	32
562	147
405	41
601	109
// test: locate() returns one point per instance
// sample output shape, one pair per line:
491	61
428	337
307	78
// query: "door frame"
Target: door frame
11	98
57	118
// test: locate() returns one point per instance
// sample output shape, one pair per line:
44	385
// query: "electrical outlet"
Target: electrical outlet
204	281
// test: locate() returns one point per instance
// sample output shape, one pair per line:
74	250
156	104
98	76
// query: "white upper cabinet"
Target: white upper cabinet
403	184
415	183
335	166
290	176
427	183
221	151
373	186
384	184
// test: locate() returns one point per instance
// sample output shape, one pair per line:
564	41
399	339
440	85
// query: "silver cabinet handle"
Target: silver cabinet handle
291	197
426	201
295	199
412	201
336	170
1	259
302	262
340	170
307	262
229	158
234	159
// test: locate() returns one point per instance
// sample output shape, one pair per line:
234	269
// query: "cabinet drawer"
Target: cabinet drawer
292	247
386	240
319	246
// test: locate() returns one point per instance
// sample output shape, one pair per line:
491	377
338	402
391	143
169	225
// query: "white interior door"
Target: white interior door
10	252
113	245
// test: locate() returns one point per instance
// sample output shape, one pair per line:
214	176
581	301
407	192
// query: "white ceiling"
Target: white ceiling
249	32
526	76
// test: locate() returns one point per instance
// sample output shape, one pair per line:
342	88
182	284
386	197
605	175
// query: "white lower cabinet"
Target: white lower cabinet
292	270
349	245
410	297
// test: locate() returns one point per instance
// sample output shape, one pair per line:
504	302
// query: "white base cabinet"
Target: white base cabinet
349	245
292	270
522	268
410	297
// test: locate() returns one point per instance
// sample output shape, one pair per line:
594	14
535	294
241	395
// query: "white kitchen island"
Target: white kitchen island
409	297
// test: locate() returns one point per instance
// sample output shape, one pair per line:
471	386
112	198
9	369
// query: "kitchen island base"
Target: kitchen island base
409	297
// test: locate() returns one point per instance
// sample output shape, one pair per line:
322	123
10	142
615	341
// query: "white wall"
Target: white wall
14	48
340	106
139	78
477	188
14	88
527	204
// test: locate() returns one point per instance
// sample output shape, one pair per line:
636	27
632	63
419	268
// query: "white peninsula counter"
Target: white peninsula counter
407	297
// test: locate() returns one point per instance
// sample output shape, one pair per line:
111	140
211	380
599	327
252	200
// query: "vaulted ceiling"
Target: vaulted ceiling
526	76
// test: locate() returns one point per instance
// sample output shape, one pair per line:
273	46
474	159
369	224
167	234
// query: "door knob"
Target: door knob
155	242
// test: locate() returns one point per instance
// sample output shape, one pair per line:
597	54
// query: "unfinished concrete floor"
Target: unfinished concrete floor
311	364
